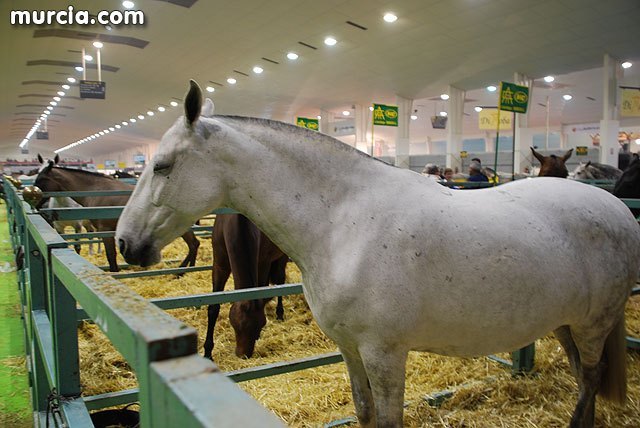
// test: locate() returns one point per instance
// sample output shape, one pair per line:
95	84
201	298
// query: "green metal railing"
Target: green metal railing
177	387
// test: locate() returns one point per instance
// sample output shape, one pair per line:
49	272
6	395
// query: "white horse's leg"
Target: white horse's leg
385	367
360	389
563	334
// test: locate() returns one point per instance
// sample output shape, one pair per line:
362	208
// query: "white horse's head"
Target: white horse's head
583	172
182	183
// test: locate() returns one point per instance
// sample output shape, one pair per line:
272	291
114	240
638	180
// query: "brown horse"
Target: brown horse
58	179
239	247
552	165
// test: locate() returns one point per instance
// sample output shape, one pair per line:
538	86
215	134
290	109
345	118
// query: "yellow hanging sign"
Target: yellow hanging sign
630	102
488	119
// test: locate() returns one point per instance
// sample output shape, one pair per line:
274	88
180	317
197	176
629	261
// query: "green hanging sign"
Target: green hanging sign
513	97
582	151
385	115
305	122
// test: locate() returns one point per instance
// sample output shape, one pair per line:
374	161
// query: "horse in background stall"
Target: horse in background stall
552	165
628	185
52	178
596	171
77	225
239	247
374	258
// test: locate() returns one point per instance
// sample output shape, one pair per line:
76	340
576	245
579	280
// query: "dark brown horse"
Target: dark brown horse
239	247
552	165
628	185
57	179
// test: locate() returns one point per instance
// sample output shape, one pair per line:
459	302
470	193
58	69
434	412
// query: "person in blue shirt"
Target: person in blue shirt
475	172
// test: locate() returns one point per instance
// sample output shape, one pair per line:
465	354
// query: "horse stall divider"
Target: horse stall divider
174	380
156	355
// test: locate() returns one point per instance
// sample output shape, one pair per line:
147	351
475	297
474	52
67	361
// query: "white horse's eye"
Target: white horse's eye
161	168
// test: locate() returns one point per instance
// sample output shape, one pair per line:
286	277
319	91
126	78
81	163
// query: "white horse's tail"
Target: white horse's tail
613	382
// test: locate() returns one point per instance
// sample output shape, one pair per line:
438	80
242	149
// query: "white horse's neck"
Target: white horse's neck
293	184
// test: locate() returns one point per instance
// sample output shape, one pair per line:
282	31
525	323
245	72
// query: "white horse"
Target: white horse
375	243
77	225
596	171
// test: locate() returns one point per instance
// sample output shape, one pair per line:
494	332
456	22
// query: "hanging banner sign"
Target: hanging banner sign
488	120
92	89
110	164
513	97
630	102
464	154
385	115
138	160
122	165
582	151
42	135
306	122
438	122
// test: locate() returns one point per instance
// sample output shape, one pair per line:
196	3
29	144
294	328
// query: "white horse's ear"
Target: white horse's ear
192	103
207	108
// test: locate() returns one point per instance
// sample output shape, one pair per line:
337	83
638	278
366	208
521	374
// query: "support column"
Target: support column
402	139
325	116
361	123
454	127
609	126
522	138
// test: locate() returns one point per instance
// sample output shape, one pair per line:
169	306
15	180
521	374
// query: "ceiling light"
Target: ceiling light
161	108
46	112
111	128
257	69
173	104
101	132
414	117
128	4
125	123
98	45
210	88
492	88
390	17
78	68
132	120
370	108
292	56
70	80
53	103
106	131
231	81
57	98
118	126
330	41
626	64
141	117
150	113
443	113
478	109
319	117
549	79
346	113
61	93
66	87
638	141
88	58
567	97
49	108
444	97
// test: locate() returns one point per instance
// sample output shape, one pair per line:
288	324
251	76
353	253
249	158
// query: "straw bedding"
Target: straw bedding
485	393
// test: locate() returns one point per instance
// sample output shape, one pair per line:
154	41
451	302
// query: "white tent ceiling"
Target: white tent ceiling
434	43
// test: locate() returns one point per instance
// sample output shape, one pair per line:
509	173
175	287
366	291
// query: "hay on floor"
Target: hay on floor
486	395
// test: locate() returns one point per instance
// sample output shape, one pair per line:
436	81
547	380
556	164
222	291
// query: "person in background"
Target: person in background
432	171
448	174
475	172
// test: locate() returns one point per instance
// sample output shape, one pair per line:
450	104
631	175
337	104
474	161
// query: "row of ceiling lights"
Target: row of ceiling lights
329	41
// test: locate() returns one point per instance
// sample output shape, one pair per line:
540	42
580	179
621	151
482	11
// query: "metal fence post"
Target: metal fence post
523	360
